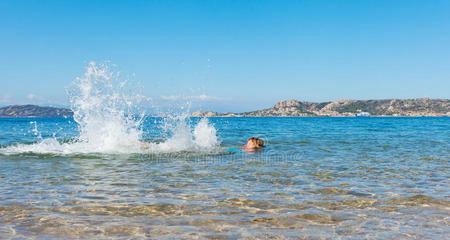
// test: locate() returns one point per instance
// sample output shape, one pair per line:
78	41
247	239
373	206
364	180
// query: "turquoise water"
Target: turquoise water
318	178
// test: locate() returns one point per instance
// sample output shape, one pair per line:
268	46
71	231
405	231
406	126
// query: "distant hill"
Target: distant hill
34	111
386	107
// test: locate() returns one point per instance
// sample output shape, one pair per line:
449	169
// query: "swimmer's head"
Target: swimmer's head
254	143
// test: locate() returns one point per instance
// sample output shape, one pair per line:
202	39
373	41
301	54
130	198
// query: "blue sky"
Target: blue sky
229	55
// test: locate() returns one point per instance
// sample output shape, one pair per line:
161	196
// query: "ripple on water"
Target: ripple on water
418	200
325	176
331	190
248	204
135	210
297	220
357	203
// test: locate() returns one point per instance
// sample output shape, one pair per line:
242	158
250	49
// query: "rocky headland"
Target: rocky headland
386	107
34	111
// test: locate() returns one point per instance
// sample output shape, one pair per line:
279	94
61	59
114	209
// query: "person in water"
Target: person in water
253	144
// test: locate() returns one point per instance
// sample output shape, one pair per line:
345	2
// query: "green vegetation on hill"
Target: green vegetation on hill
34	111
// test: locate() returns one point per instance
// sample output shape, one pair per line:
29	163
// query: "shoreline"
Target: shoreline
374	116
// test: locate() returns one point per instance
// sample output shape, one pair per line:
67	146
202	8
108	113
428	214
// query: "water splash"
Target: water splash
105	111
202	138
36	131
205	135
109	121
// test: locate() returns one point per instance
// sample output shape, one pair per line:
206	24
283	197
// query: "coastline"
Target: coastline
374	116
420	107
347	108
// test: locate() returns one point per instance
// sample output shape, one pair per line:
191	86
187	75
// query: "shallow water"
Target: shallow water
318	178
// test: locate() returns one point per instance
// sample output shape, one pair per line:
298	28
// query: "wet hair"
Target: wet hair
259	142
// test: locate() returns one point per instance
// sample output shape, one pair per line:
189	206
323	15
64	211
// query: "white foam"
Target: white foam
105	114
205	135
202	139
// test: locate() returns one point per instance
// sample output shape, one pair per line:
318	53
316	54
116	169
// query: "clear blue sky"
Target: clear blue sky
242	54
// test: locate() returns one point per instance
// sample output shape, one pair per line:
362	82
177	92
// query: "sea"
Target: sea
108	174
